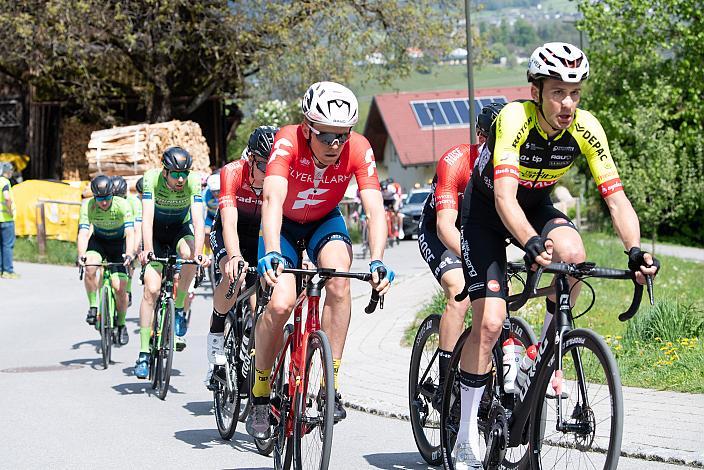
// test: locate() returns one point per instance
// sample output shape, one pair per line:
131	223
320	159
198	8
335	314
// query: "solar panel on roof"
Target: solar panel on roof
449	112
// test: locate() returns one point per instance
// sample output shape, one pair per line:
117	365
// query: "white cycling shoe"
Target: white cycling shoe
216	349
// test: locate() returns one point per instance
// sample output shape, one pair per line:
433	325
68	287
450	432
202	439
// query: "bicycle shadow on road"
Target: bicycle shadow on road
141	388
200	408
210	438
398	461
89	342
95	363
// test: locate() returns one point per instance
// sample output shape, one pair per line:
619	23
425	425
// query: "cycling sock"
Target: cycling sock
261	387
93	299
180	298
444	364
217	322
335	370
121	316
129	284
549	312
145	334
471	391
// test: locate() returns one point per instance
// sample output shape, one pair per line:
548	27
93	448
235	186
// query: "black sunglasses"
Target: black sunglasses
260	164
330	138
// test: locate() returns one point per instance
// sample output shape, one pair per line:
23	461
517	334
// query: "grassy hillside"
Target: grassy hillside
442	77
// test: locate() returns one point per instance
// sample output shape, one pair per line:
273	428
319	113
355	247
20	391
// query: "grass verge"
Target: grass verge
57	251
662	347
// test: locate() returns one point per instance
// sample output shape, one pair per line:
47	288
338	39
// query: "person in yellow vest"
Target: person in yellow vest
7	222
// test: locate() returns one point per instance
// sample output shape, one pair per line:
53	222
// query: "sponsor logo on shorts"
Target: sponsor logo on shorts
493	285
560	221
475	287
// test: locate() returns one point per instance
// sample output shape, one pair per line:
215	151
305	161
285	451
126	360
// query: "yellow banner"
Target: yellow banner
19	161
61	219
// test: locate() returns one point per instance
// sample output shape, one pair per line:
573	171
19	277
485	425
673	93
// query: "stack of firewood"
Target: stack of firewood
132	150
74	137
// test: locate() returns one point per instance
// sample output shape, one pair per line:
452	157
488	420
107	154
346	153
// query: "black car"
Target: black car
411	210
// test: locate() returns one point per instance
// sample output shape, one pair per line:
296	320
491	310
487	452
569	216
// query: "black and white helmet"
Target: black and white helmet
261	140
330	104
558	60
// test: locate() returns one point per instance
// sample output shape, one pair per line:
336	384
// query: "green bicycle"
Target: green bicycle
106	309
161	344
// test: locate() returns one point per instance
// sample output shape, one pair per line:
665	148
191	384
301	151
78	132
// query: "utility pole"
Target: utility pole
470	77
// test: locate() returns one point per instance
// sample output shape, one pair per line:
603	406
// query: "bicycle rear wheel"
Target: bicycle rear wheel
226	394
515	458
593	409
166	351
422	385
282	441
312	428
105	326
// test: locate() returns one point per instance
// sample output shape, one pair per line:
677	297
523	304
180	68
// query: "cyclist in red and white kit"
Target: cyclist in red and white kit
309	170
235	233
439	236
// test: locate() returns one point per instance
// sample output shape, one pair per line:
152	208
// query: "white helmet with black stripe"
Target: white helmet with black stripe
330	104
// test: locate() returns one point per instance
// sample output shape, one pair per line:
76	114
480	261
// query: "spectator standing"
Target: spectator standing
7	222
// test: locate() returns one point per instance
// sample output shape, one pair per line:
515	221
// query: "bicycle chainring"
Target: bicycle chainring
496	436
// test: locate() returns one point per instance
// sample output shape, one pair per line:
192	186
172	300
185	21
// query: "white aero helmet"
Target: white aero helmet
214	182
330	104
558	60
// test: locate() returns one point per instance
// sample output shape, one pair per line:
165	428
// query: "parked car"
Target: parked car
411	210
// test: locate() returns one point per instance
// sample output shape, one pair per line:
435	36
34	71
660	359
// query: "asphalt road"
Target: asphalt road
59	409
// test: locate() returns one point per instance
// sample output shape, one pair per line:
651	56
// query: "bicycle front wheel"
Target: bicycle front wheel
166	351
591	411
422	385
105	326
226	392
315	401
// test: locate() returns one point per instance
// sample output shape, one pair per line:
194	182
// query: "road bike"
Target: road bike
302	395
106	321
568	413
231	383
161	342
424	372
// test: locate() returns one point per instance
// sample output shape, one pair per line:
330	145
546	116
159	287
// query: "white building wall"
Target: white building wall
407	177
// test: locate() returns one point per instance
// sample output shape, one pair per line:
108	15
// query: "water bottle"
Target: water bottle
526	364
512	349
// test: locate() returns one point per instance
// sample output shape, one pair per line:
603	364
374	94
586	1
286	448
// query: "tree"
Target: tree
86	52
647	88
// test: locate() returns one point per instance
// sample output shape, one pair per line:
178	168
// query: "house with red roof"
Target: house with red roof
410	131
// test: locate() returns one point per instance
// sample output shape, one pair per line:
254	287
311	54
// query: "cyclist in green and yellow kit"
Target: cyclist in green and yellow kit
111	240
170	203
119	189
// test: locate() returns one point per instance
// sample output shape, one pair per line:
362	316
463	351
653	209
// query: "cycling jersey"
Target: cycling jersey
108	224
210	203
136	205
519	148
451	177
171	207
235	190
313	192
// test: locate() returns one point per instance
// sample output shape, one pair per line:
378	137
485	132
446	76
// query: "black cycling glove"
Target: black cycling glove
636	260
534	246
